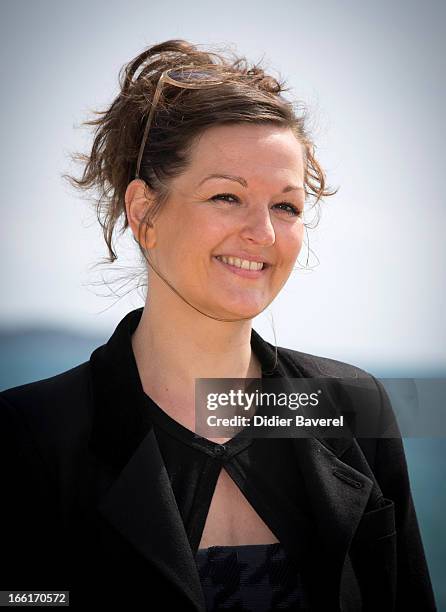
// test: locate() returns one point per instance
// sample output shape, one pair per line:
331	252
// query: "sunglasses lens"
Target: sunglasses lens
194	76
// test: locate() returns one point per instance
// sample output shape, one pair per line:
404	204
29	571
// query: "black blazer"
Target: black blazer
87	504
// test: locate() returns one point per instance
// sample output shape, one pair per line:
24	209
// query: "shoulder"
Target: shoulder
59	390
317	365
52	413
363	392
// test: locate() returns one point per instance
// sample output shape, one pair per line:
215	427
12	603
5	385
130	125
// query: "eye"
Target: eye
290	209
221	196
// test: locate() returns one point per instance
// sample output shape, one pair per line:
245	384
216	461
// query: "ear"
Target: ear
138	197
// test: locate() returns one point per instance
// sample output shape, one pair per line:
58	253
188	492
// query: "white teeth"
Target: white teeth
241	263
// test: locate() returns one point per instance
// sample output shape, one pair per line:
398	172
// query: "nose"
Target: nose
258	227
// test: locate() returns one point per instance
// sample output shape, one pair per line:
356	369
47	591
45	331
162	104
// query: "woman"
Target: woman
111	495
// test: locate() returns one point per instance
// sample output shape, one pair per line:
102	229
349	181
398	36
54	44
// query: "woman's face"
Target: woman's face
254	218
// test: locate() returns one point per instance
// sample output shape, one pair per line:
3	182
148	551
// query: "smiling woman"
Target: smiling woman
226	238
111	493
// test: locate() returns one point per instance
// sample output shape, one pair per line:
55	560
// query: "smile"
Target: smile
242	267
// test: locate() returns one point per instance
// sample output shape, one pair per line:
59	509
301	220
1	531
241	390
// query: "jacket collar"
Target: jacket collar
139	501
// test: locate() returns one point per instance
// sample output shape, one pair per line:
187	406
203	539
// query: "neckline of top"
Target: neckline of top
236	547
185	435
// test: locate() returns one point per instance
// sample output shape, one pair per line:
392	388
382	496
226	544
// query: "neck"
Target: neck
174	344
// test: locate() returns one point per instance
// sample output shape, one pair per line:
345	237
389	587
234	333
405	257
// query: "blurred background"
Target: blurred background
372	78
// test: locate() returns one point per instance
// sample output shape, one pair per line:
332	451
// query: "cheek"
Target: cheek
193	239
290	243
196	222
202	234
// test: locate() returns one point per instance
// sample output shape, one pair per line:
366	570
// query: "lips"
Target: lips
240	271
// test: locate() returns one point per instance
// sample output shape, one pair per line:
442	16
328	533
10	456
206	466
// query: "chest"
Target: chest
231	520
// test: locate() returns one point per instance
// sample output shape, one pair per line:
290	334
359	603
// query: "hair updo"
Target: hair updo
180	117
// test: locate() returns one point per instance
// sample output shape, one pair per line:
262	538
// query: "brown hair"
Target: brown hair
251	96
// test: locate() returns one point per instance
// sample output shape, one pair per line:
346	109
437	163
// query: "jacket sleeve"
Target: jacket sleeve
414	588
28	545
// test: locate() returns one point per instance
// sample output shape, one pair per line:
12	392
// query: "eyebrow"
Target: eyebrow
244	183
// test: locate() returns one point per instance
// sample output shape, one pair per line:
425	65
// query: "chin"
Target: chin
239	311
233	305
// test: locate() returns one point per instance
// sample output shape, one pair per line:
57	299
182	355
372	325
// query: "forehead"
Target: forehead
255	150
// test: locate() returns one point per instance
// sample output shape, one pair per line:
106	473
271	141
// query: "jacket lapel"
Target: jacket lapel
337	495
138	500
340	487
141	505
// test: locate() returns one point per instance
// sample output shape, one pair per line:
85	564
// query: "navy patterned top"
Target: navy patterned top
250	578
